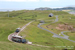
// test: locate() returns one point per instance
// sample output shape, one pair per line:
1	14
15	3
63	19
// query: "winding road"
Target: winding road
54	34
64	34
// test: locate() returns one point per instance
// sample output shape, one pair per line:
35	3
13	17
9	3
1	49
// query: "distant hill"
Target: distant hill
59	9
43	8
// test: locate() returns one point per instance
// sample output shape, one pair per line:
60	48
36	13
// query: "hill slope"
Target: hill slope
32	32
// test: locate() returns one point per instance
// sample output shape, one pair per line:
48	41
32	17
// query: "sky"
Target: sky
32	4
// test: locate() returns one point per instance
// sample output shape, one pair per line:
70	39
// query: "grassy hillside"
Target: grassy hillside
9	25
32	32
41	37
66	18
17	46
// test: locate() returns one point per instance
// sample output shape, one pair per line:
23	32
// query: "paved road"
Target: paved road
64	34
54	34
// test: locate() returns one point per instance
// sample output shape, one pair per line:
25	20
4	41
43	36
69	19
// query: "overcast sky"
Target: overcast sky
32	4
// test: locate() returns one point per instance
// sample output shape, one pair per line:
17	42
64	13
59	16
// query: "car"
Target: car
17	30
24	41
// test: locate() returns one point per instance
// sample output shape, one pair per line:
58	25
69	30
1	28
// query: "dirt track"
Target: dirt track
10	36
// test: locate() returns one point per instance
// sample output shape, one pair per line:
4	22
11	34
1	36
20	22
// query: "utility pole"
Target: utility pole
8	13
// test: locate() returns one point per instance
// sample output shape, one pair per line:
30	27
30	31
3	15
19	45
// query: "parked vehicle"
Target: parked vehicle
17	30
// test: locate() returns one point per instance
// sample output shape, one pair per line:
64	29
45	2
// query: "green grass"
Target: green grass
9	25
34	34
17	46
62	19
71	35
41	37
